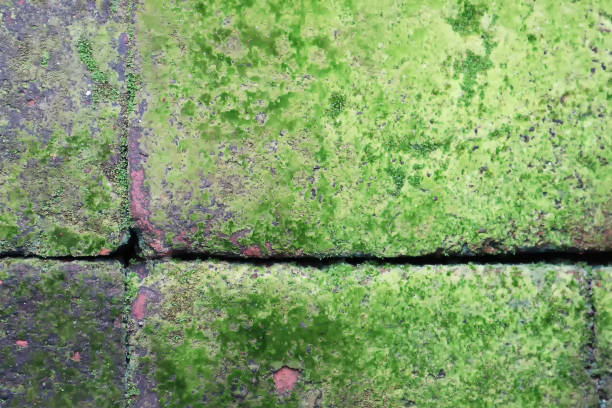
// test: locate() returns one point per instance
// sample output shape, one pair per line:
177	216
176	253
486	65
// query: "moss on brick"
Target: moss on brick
63	178
61	336
214	333
342	128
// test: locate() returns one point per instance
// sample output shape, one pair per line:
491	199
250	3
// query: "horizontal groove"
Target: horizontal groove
125	253
128	254
588	257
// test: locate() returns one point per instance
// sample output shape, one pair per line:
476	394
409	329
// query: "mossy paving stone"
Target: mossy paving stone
602	297
282	128
226	334
63	177
61	334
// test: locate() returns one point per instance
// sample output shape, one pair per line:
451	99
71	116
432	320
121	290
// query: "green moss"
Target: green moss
103	90
470	68
134	82
468	18
97	197
86	55
188	108
66	241
337	103
367	336
8	227
44	61
132	285
398	175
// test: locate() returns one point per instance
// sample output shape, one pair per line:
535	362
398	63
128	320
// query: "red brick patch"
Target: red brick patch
141	213
140	306
253	250
285	379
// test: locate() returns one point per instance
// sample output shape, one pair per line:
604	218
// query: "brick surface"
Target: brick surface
268	128
386	128
63	177
219	334
61	334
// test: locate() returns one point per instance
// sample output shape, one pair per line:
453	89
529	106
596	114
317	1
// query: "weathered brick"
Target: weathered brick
61	334
63	165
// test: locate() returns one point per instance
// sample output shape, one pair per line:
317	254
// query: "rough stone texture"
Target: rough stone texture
214	334
63	176
61	334
602	297
384	128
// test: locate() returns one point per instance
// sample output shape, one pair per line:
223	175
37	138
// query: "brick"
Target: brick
61	334
382	129
63	171
229	334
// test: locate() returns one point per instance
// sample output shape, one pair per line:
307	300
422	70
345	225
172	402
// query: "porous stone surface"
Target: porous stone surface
602	298
61	334
63	164
228	334
280	128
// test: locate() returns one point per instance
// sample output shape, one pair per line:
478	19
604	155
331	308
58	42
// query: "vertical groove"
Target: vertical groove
128	254
592	365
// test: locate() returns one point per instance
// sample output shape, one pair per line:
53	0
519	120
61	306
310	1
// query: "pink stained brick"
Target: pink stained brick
253	250
285	379
140	306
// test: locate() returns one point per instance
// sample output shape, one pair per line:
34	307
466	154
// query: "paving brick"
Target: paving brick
226	334
61	334
602	297
63	176
385	128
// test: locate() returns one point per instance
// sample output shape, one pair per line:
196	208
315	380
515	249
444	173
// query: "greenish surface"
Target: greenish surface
602	297
214	333
65	311
385	128
63	145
